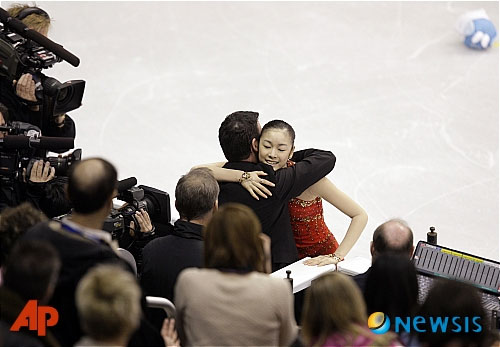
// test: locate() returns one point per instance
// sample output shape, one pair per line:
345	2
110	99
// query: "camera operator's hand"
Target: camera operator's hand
59	120
41	172
145	224
25	87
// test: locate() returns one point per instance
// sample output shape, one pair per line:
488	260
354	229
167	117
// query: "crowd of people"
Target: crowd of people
239	221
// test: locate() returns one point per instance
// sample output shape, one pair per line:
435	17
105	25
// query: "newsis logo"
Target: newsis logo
379	323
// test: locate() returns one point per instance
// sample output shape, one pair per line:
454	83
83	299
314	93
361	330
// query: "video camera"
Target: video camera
23	50
23	145
154	201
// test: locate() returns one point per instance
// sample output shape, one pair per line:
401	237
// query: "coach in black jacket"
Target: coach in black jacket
238	137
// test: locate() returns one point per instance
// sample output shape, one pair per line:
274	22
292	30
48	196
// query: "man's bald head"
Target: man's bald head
394	236
91	183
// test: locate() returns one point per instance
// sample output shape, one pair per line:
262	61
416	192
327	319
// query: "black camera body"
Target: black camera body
19	55
61	164
115	225
154	201
25	150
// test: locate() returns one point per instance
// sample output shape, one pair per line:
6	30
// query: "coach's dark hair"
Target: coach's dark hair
89	194
236	134
382	245
196	193
33	265
282	125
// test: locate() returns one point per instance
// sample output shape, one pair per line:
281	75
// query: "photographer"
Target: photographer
19	96
82	244
41	188
47	191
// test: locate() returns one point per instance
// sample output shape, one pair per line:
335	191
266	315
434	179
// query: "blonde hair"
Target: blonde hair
232	239
108	302
334	304
34	21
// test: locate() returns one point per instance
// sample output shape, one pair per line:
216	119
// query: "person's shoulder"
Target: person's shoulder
13	338
248	166
190	274
156	243
363	275
266	168
44	228
47	224
275	285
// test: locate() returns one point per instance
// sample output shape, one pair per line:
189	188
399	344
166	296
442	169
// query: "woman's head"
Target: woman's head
333	303
450	298
232	239
108	300
33	17
276	144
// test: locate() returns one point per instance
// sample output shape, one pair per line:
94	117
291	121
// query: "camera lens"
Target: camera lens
63	94
51	86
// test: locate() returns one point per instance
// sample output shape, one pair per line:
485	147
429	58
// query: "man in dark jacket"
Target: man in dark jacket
82	244
238	137
393	236
165	257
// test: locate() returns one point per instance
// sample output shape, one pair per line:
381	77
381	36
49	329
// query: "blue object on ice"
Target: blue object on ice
484	26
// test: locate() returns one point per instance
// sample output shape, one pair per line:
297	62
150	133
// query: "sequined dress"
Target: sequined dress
312	236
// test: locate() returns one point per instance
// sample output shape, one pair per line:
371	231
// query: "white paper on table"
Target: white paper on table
303	274
354	266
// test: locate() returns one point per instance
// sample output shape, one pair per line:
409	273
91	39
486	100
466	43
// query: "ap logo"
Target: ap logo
36	318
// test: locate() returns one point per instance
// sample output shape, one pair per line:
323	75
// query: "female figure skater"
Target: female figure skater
312	236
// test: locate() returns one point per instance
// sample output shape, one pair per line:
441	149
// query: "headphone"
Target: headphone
32	10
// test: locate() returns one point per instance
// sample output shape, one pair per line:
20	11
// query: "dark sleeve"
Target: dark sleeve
146	334
67	130
35	191
147	269
19	111
311	165
299	155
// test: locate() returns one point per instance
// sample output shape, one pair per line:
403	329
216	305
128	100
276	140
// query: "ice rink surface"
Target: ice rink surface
409	111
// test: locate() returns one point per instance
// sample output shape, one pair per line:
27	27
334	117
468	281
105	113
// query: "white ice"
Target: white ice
410	112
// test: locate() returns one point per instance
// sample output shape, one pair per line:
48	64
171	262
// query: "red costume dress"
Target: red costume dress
312	236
